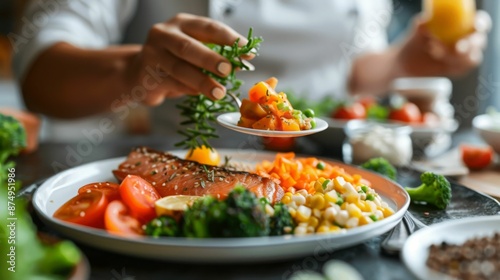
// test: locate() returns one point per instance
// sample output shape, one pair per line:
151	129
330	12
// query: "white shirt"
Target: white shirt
308	45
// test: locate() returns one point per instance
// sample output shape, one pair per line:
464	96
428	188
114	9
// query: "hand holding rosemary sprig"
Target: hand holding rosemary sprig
200	111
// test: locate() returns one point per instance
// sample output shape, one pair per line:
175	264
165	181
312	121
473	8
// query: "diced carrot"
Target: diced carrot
246	122
269	122
298	173
252	110
272	82
260	90
289	124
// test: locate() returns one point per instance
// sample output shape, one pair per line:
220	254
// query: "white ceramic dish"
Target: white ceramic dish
61	187
230	120
415	250
489	129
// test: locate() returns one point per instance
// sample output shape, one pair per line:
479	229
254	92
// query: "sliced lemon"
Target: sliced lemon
174	205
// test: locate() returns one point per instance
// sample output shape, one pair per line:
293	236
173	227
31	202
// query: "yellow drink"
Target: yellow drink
449	20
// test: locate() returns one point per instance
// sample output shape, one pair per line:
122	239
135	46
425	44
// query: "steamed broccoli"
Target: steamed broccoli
239	215
281	222
435	190
204	217
162	226
245	215
381	166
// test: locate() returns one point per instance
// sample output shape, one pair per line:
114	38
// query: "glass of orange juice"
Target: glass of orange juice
449	20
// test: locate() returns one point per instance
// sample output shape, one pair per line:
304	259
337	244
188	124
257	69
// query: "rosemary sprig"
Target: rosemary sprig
200	111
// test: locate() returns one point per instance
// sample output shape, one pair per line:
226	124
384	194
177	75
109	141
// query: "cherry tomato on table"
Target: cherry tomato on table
119	221
140	197
408	113
85	209
350	111
476	157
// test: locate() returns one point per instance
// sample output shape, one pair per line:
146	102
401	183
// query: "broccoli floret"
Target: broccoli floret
435	190
246	216
239	215
381	166
281	222
162	226
204	217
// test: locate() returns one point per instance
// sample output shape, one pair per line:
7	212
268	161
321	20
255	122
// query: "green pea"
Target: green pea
309	113
313	123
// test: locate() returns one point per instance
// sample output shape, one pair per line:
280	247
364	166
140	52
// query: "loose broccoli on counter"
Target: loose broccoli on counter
162	226
381	166
434	190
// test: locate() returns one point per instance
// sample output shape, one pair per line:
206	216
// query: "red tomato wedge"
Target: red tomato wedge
85	209
119	221
476	157
109	189
140	197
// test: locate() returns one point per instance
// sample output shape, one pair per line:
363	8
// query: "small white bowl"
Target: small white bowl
488	127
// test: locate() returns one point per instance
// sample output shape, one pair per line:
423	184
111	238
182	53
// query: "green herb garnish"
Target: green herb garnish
200	110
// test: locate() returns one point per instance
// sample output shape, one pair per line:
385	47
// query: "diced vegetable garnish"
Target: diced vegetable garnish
267	109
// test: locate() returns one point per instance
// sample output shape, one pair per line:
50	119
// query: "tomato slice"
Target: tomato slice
118	220
85	209
476	157
140	197
109	189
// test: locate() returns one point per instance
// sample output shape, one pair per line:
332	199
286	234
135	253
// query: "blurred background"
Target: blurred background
472	94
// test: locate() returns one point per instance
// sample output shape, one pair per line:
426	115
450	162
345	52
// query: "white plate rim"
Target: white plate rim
230	120
229	249
415	250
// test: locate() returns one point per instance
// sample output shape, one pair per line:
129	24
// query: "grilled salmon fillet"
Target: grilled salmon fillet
171	175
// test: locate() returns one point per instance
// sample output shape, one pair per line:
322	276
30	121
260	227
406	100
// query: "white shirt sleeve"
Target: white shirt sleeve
374	18
84	23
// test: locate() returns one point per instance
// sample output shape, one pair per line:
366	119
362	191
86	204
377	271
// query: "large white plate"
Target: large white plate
61	187
415	250
230	120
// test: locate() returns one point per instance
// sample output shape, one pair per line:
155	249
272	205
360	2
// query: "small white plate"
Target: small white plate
416	248
230	120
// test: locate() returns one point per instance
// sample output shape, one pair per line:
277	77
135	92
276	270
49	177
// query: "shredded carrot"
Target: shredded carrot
301	173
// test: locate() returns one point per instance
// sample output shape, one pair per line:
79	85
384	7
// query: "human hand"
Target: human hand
423	55
175	50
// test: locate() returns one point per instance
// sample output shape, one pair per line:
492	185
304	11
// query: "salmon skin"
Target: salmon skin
171	175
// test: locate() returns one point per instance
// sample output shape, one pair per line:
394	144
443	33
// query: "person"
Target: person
85	56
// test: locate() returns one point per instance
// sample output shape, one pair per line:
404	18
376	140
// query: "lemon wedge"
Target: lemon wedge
174	205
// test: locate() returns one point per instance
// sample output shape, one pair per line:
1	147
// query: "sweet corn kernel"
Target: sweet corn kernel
331	196
317	213
365	220
330	214
342	217
352	198
318	201
354	211
303	192
269	210
323	229
338	184
352	222
300	231
299	199
286	198
292	212
303	214
334	228
313	222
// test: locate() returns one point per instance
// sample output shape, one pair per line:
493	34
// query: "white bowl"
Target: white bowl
488	127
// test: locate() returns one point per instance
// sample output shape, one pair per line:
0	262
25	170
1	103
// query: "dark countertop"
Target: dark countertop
51	158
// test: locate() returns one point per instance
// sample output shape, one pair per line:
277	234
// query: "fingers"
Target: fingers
170	88
482	21
177	46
